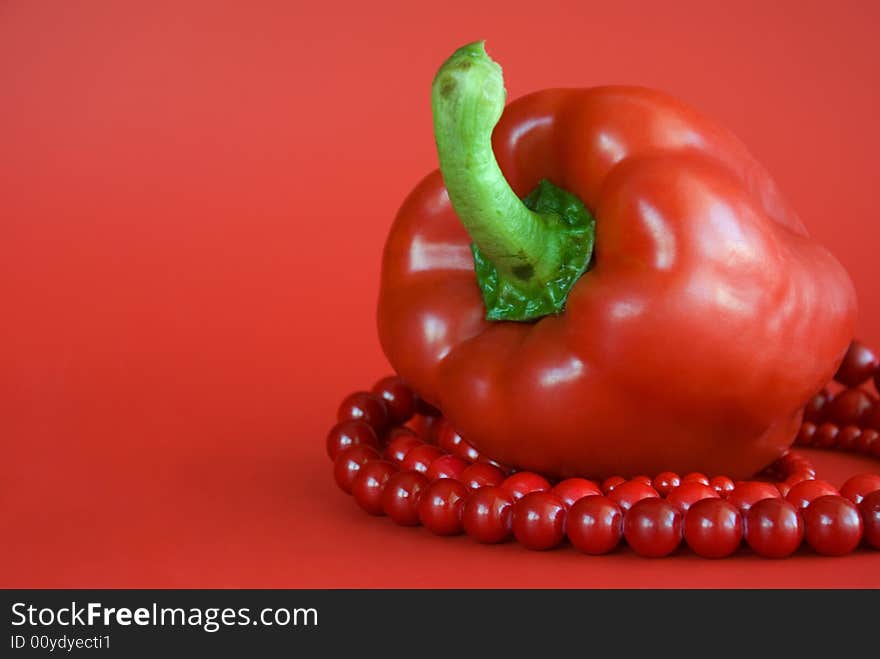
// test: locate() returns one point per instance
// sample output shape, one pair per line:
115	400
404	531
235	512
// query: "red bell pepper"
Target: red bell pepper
689	339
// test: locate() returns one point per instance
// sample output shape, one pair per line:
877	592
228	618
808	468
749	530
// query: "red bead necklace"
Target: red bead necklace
426	473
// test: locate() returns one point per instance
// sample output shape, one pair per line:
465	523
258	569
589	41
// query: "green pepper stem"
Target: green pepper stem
467	99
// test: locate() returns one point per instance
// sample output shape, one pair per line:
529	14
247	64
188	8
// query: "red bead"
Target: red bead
627	494
747	493
870	511
482	474
773	528
832	525
348	463
643	479
369	483
366	407
665	482
784	489
859	363
486	515
574	489
847	437
794	463
722	485
866	441
803	466
466	451
595	524
419	458
695	477
447	437
826	435
446	466
450	441
806	434
611	482
848	407
713	528
539	520
858	487
814	409
400	445
400	499
440	506
400	401
801	494
523	482
652	527
687	494
795	479
495	463
350	433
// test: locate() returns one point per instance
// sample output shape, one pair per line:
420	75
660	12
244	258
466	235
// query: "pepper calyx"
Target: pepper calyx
529	252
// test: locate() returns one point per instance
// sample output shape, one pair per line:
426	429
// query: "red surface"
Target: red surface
193	201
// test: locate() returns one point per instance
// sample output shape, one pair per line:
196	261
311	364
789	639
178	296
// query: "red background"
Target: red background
193	201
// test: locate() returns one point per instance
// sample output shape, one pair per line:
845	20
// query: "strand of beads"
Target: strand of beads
850	419
426	474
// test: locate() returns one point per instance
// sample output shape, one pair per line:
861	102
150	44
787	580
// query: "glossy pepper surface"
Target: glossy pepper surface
704	320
